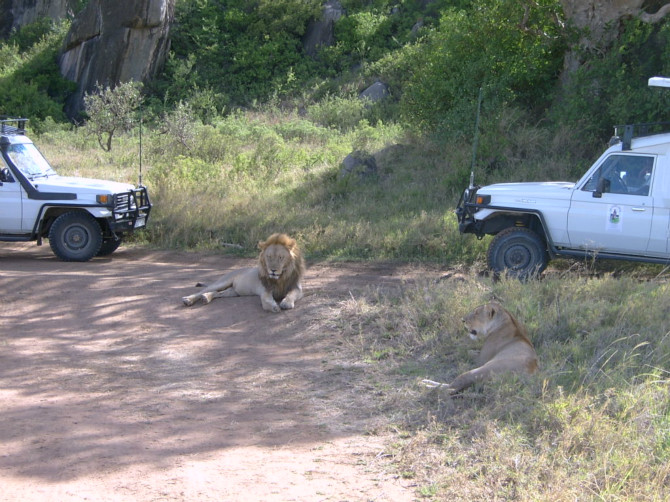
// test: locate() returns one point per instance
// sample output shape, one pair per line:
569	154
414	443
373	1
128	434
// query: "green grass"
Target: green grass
252	174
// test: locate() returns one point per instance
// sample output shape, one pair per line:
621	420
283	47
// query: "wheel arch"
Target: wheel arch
504	219
49	213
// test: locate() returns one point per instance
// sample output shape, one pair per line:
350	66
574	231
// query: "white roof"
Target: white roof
659	82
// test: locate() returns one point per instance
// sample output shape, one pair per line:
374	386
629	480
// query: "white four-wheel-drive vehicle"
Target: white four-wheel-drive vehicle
81	217
619	209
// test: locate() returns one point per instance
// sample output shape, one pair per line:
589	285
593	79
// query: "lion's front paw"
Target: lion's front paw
286	304
271	307
187	300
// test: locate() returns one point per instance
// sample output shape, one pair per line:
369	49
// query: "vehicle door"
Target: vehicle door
11	209
612	210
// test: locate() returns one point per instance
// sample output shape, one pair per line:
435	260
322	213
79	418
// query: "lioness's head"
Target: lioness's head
280	258
481	321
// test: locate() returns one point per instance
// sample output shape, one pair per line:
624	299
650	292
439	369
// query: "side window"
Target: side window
624	174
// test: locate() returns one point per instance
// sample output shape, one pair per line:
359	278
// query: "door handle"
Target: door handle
639	209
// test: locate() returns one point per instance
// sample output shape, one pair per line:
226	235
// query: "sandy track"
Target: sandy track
110	389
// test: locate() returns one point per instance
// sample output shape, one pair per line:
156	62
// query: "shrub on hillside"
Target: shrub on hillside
512	50
30	81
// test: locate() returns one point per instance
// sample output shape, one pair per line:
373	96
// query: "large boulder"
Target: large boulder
376	92
111	42
599	20
358	164
321	32
17	13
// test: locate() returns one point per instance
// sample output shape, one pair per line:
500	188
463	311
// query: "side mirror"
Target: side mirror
603	187
5	175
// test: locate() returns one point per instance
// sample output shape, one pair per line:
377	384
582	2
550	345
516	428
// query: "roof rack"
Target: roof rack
12	125
626	133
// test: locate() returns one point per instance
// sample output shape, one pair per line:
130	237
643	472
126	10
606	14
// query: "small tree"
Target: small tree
180	126
112	109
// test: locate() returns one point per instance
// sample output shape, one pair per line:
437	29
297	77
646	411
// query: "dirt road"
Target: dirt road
111	389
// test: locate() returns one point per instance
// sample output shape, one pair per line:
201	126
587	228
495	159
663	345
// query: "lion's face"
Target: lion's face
480	321
280	263
276	260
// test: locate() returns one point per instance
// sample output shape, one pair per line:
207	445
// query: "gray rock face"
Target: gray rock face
17	13
320	33
376	92
111	42
358	164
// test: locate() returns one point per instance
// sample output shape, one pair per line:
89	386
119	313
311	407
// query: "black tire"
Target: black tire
75	236
109	246
518	252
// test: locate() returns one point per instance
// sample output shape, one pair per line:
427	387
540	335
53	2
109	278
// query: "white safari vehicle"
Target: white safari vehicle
82	218
619	209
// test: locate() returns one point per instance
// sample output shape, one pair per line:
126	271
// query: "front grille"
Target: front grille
123	202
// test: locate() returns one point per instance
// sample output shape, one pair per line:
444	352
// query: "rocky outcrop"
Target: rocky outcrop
321	32
600	18
376	92
358	164
599	22
111	42
17	13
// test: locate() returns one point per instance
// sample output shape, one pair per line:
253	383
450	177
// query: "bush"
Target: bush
491	45
338	112
30	81
241	52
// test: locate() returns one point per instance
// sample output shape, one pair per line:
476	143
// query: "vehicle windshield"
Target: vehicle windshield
30	161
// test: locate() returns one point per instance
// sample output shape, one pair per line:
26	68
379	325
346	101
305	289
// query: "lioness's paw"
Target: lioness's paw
286	304
431	384
187	300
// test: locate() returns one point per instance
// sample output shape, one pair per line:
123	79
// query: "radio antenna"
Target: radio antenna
140	176
476	140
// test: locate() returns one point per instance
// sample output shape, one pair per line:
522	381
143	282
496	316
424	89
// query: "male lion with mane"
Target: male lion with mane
277	278
506	347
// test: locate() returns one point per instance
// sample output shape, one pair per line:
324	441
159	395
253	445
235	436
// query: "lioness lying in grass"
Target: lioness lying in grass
506	347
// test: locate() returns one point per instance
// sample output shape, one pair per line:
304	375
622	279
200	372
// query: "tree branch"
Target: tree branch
655	18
